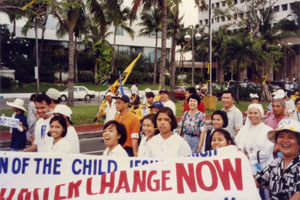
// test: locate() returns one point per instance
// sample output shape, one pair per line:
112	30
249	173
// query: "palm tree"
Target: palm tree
118	18
68	12
164	14
151	23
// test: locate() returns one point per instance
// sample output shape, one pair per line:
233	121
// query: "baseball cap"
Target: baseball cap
148	90
157	104
63	109
285	124
53	93
124	98
164	91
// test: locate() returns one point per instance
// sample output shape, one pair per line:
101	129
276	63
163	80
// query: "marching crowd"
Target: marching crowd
150	129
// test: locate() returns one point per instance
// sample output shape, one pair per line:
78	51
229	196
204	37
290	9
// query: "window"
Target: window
82	89
276	8
242	1
223	3
212	20
152	34
201	22
235	1
124	49
229	18
217	4
213	6
201	8
120	31
223	19
235	16
206	21
284	7
217	19
293	6
241	15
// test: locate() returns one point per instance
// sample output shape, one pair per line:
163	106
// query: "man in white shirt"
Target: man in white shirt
134	89
110	110
235	116
164	98
42	141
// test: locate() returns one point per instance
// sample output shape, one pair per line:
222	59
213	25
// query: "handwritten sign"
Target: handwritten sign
8	121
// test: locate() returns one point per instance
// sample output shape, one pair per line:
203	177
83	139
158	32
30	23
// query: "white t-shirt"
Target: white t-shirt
110	111
173	146
118	151
134	89
62	146
143	147
170	104
72	138
41	139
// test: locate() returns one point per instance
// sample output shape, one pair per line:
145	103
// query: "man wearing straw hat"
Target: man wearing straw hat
18	138
282	176
42	142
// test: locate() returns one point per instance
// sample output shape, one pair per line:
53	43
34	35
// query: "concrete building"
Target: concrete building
282	9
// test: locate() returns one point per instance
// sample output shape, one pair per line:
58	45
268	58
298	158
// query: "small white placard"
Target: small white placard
10	122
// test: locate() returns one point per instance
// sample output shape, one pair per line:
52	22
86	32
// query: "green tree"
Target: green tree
151	23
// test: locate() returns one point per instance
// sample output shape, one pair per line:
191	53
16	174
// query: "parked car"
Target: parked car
127	91
80	92
180	92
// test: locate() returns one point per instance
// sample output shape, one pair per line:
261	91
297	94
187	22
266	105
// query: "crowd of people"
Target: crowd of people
133	128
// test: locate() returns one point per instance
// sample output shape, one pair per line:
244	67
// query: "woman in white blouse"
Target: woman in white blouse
114	135
150	130
58	130
167	143
252	138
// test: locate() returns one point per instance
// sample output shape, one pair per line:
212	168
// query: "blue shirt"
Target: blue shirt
18	139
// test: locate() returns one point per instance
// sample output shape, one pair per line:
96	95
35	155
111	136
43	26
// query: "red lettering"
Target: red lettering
36	193
213	174
89	186
74	188
22	192
236	174
57	192
109	184
156	182
189	178
123	182
164	179
46	194
138	181
11	194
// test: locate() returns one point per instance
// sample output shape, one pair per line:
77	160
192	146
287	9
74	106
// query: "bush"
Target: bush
6	83
86	77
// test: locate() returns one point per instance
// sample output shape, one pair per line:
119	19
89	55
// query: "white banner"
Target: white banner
213	175
8	121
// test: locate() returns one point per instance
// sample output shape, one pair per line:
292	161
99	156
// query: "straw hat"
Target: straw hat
285	124
18	103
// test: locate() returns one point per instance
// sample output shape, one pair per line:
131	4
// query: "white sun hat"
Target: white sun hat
53	93
285	124
63	109
18	103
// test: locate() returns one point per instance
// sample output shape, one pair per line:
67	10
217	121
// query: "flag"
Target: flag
27	5
208	68
265	79
124	75
121	84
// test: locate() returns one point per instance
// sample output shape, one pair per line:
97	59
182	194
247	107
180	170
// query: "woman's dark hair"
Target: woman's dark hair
223	115
63	122
225	133
32	97
68	118
120	129
296	101
56	101
19	110
191	90
194	96
170	113
136	103
152	117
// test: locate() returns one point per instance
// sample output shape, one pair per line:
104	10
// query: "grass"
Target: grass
85	114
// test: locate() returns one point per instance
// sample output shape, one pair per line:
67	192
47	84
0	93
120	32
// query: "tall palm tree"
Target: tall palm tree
164	14
118	18
151	23
68	12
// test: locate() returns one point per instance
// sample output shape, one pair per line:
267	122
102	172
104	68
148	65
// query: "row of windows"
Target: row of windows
284	7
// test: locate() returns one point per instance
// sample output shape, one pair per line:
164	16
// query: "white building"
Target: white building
144	44
281	9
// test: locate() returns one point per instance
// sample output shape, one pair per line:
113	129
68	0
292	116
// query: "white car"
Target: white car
80	92
127	91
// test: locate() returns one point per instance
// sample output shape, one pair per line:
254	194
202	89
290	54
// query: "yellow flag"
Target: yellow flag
124	75
27	5
265	79
208	68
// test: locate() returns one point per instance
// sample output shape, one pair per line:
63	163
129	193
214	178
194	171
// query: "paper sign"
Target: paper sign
10	122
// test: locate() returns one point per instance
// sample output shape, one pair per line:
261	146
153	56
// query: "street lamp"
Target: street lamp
187	38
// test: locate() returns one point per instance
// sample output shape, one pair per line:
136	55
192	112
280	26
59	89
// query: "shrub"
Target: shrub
6	83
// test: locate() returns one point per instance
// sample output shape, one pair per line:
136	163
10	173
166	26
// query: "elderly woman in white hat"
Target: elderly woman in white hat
18	138
283	174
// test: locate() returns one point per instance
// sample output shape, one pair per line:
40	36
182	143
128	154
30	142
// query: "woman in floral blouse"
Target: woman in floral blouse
193	124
